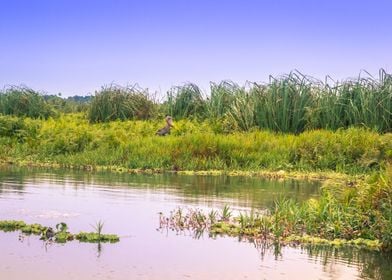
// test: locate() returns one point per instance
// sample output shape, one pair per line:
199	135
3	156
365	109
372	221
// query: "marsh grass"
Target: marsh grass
357	215
24	102
290	103
185	101
121	103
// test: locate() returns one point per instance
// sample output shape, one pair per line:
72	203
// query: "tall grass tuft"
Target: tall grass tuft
284	103
121	103
363	102
185	101
24	102
221	98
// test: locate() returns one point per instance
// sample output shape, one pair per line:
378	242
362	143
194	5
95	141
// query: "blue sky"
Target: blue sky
75	47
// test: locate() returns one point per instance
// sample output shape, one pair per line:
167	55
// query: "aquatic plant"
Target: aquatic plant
355	214
11	225
98	228
61	235
226	213
93	237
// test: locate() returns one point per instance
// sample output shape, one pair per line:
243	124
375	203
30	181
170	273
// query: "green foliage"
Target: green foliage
290	103
71	140
61	235
24	102
10	225
93	237
33	229
72	104
185	101
221	98
283	104
121	103
11	126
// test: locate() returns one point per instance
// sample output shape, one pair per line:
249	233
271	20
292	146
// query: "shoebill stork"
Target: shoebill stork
166	130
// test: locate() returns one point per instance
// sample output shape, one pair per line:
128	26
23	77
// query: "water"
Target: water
129	206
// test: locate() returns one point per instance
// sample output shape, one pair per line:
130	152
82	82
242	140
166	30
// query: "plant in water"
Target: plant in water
98	227
226	213
60	235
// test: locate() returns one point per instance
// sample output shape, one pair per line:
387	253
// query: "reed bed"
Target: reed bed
291	103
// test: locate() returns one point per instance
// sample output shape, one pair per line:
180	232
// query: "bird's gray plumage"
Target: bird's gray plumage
166	130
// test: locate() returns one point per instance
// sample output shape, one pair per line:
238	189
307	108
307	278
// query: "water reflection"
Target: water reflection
245	191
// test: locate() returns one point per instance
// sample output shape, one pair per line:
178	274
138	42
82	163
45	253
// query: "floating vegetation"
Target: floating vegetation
11	225
60	234
93	237
254	227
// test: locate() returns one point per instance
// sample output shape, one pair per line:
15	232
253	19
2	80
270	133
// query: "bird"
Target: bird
49	233
166	130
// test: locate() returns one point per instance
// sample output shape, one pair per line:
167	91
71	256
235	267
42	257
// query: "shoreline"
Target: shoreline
262	173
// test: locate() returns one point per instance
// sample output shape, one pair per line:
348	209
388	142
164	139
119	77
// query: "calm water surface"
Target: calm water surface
129	206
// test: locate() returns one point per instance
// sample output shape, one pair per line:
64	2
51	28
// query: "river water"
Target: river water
129	206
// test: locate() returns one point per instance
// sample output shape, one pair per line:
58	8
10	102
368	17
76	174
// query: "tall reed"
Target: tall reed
185	101
121	103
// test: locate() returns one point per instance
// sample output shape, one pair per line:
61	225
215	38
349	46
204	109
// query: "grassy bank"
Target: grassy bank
356	212
71	141
346	214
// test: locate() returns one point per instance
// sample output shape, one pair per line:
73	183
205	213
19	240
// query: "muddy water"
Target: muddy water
129	206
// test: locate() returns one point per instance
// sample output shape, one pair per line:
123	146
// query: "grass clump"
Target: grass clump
121	103
24	102
60	234
93	237
185	101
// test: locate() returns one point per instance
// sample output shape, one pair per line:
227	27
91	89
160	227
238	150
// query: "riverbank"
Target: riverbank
356	201
71	141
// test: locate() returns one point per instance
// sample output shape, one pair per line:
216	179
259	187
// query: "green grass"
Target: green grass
121	103
24	102
291	103
72	141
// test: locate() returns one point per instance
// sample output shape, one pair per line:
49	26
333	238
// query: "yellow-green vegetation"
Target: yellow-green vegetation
71	141
358	214
93	237
60	235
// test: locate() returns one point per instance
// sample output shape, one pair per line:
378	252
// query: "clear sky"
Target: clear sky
76	46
